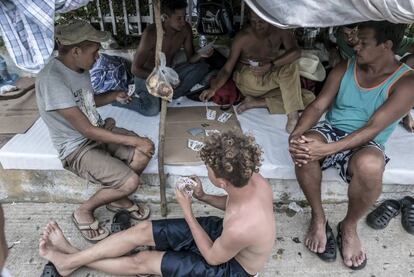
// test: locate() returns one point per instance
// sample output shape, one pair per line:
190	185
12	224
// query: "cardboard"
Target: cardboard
179	120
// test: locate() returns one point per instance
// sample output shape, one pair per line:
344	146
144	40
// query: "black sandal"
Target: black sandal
407	214
120	221
329	255
382	215
339	241
50	271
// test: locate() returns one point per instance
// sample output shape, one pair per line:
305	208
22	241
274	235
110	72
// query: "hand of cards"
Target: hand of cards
204	50
186	184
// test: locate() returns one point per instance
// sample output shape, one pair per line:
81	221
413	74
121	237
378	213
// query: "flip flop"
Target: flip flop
141	209
339	241
120	221
329	255
380	217
89	227
407	214
50	271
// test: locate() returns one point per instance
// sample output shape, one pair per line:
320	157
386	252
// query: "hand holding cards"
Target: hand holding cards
186	184
204	50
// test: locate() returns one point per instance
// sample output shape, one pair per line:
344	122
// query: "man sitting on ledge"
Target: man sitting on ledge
88	146
238	245
366	98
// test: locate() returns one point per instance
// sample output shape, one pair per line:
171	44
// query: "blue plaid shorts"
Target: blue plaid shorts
341	159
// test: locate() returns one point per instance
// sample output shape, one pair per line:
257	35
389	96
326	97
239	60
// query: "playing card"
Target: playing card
253	63
131	89
204	50
186	184
195	131
195	145
210	132
211	114
224	117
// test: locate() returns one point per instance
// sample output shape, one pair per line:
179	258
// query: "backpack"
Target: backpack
215	17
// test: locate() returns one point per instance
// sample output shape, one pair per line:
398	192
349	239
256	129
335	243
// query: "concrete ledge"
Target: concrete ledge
65	187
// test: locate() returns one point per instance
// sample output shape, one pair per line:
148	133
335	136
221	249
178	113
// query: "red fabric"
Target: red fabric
227	94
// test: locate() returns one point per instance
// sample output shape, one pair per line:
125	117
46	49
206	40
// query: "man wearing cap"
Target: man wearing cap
88	146
266	78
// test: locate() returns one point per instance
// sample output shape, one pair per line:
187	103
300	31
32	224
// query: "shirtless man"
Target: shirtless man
266	78
177	35
366	98
238	245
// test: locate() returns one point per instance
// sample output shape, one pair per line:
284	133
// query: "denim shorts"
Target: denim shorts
182	257
341	159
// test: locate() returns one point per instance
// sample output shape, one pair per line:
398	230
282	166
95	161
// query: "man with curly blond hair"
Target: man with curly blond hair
238	245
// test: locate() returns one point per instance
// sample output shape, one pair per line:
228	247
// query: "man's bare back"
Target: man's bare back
253	215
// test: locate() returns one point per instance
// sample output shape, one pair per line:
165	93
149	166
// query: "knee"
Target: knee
144	228
130	186
369	168
139	261
289	69
150	110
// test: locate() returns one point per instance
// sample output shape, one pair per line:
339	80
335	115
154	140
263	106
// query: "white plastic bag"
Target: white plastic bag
162	80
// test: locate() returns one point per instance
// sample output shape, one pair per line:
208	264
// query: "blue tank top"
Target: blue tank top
354	105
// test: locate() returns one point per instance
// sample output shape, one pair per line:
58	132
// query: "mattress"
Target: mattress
34	150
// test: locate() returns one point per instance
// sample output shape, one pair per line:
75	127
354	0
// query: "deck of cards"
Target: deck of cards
186	184
195	145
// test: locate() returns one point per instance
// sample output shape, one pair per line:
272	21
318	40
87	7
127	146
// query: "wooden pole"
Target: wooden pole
163	113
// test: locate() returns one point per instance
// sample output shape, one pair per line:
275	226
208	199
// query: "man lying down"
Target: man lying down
237	245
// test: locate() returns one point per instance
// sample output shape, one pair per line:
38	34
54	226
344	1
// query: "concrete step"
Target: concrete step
390	251
64	187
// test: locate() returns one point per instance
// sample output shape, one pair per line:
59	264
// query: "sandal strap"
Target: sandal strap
89	226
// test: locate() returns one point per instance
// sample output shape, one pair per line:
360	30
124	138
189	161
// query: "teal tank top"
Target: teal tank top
354	105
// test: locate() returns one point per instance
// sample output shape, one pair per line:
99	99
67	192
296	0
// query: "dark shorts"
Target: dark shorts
182	257
341	159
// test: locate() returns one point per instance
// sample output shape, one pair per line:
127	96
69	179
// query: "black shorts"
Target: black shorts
182	257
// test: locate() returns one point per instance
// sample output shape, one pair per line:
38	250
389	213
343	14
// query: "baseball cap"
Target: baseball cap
78	31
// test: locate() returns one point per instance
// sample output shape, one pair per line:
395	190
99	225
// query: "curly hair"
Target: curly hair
232	156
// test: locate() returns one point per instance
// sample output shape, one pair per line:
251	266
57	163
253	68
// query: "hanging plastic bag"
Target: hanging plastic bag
162	80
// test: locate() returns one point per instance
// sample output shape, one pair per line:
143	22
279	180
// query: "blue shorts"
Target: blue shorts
182	257
341	159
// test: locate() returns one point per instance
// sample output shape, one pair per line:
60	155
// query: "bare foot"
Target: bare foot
315	239
48	251
352	251
292	120
54	234
250	103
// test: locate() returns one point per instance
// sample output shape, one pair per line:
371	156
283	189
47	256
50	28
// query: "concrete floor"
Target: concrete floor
390	251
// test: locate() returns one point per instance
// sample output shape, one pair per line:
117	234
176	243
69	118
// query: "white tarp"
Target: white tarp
317	13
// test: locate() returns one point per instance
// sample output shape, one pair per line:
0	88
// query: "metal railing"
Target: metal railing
136	17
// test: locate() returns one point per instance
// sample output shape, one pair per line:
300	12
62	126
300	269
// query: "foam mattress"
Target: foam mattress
34	150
